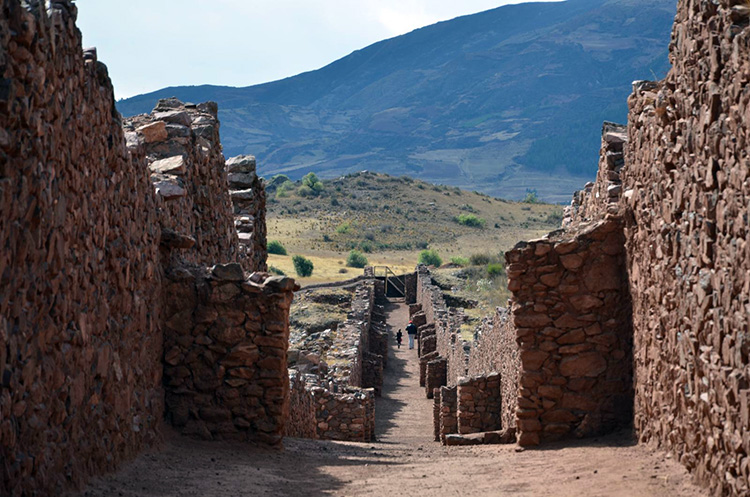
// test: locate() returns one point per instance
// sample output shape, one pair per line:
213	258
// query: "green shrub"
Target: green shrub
275	270
470	220
531	197
495	269
480	259
302	266
275	247
430	258
312	184
460	261
305	191
343	228
366	246
356	259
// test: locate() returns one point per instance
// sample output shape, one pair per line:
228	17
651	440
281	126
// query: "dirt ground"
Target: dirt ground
403	462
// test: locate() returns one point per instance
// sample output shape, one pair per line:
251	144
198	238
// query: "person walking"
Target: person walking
411	330
399	337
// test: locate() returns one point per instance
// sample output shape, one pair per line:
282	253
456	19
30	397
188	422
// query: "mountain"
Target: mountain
500	101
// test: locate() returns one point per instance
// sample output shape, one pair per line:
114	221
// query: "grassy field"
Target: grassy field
391	219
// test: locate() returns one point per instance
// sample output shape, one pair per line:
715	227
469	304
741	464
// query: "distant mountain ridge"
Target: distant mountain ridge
500	101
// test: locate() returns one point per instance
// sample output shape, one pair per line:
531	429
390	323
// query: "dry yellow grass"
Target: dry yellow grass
395	218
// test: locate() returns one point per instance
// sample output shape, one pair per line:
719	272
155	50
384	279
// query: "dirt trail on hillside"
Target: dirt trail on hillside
404	462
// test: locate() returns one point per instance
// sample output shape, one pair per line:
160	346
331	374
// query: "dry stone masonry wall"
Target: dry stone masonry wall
600	198
249	201
183	151
93	218
687	206
225	348
573	318
343	400
80	347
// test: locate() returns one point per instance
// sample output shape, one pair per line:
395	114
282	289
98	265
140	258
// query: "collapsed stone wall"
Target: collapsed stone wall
687	201
347	415
572	312
225	348
80	347
496	349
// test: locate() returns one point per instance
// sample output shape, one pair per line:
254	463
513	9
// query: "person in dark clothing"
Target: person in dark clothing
411	329
399	337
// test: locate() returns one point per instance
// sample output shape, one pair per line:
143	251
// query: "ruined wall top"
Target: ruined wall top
181	145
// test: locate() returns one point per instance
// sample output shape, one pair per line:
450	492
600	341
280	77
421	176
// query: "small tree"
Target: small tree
356	259
275	247
531	197
430	258
311	185
302	265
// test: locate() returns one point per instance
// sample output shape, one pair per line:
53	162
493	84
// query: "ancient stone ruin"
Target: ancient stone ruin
637	312
125	297
128	298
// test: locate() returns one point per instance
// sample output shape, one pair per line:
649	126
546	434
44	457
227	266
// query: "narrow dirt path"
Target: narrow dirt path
403	462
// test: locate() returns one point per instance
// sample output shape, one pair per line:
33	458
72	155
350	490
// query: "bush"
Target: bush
430	258
531	197
470	220
343	228
275	270
343	270
460	261
495	269
312	184
302	266
356	259
366	247
275	247
480	259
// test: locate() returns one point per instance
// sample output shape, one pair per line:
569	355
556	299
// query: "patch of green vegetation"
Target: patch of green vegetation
276	271
430	258
356	259
275	247
343	228
531	196
470	220
460	261
303	266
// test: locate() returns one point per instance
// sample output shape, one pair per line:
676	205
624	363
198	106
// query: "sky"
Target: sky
152	44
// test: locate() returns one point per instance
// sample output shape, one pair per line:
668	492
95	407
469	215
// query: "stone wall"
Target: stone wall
80	347
344	399
302	422
572	312
439	329
182	148
686	200
225	346
479	404
600	198
495	349
348	416
448	411
249	201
